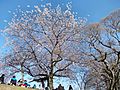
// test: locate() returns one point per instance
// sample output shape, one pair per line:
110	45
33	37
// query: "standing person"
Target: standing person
70	87
2	78
13	80
43	84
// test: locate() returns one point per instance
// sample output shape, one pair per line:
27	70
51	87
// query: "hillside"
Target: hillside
8	87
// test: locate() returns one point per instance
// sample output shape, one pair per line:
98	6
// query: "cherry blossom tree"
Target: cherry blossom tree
45	42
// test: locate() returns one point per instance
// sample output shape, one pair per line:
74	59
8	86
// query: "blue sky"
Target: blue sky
94	10
97	9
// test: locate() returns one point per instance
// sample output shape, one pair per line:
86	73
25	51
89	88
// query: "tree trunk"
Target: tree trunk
22	73
51	82
51	77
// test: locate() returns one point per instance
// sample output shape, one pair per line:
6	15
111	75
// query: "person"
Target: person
34	86
26	84
2	78
70	87
46	88
20	82
43	84
13	81
60	87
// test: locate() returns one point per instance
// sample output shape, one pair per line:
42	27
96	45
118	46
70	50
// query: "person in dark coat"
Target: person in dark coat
34	86
70	87
2	78
20	82
60	87
46	88
13	81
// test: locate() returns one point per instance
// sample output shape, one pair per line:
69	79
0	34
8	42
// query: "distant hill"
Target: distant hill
8	87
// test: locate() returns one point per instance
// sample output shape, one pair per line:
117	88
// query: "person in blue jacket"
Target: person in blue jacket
26	84
13	81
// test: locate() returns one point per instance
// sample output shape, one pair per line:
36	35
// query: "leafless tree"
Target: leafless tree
103	53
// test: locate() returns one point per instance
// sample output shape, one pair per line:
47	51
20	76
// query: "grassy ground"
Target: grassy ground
8	87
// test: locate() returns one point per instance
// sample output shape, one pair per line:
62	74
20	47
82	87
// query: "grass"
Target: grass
8	87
